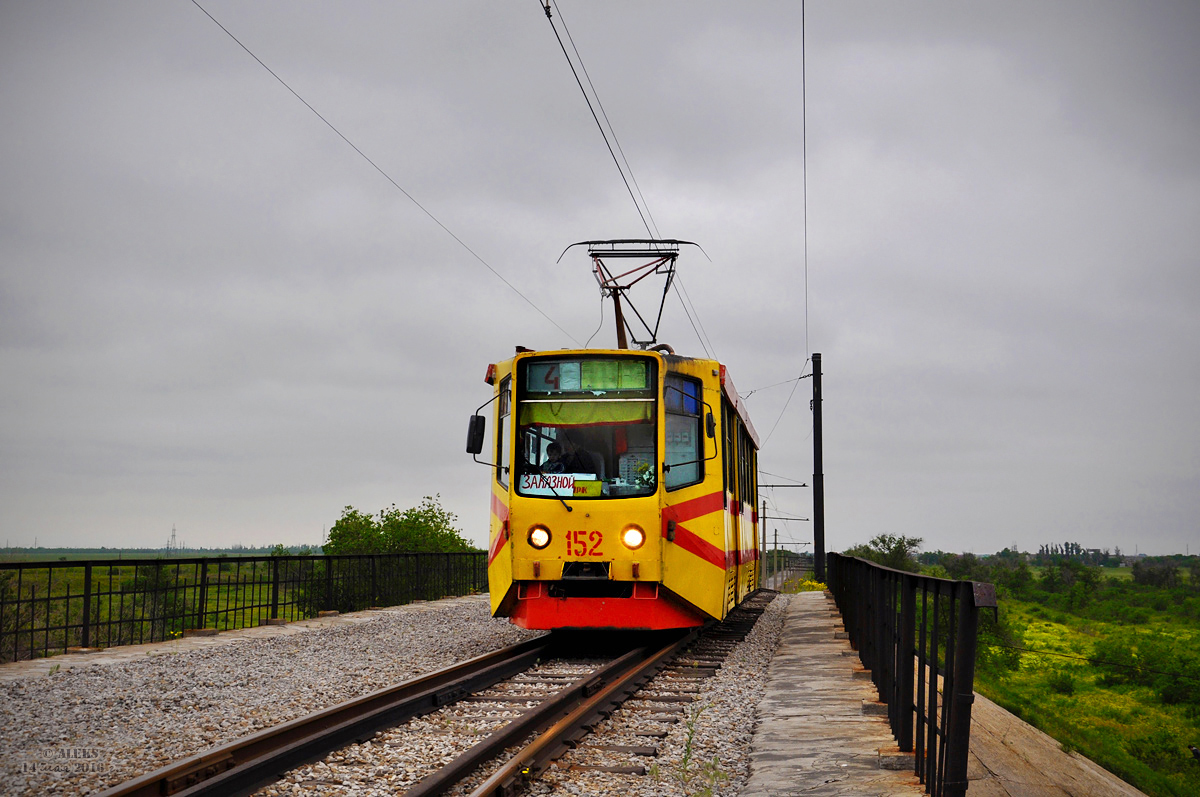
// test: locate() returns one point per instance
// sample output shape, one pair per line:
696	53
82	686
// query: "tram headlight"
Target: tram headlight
539	536
633	536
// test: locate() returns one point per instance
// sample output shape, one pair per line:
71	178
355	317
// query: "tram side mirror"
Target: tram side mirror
475	434
710	425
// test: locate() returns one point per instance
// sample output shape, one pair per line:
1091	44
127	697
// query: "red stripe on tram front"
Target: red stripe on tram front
500	511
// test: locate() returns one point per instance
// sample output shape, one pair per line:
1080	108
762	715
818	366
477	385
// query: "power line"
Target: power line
779	476
768	387
787	516
588	100
689	309
693	323
785	404
386	176
689	314
604	113
597	332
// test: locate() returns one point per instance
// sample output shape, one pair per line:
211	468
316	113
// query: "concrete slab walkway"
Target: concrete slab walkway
813	737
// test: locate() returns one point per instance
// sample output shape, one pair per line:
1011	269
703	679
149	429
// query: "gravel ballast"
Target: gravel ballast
85	729
709	749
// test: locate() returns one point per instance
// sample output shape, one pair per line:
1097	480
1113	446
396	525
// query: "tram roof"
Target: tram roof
727	386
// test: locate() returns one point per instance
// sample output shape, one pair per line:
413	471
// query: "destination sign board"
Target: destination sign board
563	485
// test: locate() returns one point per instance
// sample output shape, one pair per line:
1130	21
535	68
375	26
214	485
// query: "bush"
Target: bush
1160	661
1156	572
1127	658
1061	682
427	528
997	642
1180	687
1160	750
1133	615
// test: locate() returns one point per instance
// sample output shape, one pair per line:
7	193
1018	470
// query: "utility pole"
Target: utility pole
818	475
762	539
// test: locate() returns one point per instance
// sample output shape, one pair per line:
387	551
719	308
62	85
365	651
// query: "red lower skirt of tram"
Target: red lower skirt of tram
649	609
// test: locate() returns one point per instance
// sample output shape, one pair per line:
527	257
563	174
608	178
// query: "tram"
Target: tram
623	482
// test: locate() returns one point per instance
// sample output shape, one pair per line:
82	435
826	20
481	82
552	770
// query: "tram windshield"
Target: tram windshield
587	428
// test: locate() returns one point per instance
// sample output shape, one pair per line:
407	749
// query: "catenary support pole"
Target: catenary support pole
818	475
762	540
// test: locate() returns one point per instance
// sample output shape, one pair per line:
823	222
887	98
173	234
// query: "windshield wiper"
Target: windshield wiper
562	500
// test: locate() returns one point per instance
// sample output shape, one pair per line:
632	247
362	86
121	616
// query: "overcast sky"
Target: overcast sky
215	315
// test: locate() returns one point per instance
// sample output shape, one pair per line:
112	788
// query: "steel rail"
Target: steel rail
536	719
535	757
244	765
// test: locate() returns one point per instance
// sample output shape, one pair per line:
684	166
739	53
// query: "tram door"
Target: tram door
732	514
742	480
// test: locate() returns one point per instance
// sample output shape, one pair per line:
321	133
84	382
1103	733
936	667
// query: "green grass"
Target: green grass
1125	728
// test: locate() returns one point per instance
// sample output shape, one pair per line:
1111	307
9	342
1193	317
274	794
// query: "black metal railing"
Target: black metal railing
51	607
916	634
778	570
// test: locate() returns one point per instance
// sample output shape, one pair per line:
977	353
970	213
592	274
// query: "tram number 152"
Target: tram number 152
584	543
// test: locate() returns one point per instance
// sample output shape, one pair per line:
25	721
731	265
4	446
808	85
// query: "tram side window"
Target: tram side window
752	496
502	441
685	451
745	466
727	415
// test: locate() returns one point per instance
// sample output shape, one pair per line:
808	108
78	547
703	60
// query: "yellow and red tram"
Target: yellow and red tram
623	490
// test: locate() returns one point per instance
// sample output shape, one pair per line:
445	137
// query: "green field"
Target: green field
1110	666
1125	727
78	554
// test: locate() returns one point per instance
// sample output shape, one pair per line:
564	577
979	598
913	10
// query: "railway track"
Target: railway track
525	705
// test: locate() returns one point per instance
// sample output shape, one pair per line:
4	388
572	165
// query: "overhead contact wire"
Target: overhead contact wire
604	113
689	309
386	176
785	404
698	321
604	135
693	323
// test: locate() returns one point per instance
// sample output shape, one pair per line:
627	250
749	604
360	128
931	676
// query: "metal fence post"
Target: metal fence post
202	598
374	579
958	734
905	661
87	607
275	588
328	583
